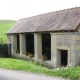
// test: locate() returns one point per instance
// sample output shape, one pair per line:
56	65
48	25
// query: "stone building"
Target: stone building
55	35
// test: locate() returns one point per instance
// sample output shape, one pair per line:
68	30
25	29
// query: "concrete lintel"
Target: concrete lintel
62	47
65	33
58	33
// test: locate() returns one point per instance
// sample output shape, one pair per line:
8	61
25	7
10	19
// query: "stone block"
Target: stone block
77	47
78	38
72	47
53	43
73	42
73	37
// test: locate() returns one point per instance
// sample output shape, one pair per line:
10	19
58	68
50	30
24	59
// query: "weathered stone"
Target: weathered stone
77	47
72	47
38	45
13	43
22	43
73	42
59	41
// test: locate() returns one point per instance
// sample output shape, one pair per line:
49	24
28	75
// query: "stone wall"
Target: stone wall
69	41
65	41
77	48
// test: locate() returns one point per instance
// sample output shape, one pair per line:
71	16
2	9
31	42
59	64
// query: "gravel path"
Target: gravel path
6	74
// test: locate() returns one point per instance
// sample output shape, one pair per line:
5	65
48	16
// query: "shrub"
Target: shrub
3	50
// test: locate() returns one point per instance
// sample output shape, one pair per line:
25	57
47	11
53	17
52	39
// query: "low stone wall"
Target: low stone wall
44	63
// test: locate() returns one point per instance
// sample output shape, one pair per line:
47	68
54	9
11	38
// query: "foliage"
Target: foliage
17	51
29	55
44	57
3	50
72	72
5	25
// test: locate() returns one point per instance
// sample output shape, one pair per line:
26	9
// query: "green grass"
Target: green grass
72	72
5	25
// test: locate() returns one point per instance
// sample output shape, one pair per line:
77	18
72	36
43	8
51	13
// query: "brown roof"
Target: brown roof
62	20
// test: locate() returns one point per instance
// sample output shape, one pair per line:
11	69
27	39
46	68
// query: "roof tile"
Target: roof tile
67	19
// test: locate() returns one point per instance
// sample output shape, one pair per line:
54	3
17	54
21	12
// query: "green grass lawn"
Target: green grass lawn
72	72
5	25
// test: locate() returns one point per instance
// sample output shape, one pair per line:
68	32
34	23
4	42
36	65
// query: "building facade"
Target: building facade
53	36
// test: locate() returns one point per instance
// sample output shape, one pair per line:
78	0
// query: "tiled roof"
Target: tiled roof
62	20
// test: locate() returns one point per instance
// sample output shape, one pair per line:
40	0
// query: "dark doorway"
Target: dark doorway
18	43
46	45
64	57
30	43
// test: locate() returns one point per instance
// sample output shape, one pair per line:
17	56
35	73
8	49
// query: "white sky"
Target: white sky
17	9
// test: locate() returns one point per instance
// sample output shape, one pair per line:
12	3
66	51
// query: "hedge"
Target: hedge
3	50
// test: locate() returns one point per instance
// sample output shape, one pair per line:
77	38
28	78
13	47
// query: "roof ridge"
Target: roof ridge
50	12
62	20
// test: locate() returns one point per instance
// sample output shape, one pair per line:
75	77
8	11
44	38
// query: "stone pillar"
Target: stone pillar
37	45
22	43
13	44
54	52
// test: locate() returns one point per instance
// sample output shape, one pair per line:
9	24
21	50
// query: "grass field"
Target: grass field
72	72
5	25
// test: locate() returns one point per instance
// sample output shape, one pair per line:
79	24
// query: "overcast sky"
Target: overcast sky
17	9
